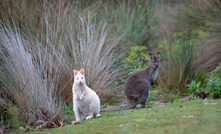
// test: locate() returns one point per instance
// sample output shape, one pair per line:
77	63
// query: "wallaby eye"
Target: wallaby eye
81	77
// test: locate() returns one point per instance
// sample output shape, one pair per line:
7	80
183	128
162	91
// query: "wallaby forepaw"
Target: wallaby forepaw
81	97
98	115
89	117
75	122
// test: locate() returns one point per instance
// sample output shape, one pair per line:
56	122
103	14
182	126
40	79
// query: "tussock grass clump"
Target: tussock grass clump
93	47
177	68
28	75
204	16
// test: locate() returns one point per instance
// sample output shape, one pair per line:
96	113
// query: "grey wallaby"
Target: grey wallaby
138	85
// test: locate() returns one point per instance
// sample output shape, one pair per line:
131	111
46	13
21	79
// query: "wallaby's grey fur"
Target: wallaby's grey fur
138	85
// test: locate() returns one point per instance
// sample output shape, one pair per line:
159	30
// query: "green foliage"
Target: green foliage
137	58
168	96
197	84
68	114
203	16
214	83
3	116
153	95
201	77
194	86
68	109
177	57
135	20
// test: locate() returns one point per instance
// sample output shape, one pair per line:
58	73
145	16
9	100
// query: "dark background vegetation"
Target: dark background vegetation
42	41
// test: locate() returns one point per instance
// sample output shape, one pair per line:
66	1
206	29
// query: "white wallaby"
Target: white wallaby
86	102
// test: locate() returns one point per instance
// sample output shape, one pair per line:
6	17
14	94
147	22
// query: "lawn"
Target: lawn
195	116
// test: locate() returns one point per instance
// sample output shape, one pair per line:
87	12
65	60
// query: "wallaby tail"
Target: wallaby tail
123	107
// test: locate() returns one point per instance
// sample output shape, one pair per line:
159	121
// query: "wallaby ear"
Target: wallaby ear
158	53
75	72
82	71
150	54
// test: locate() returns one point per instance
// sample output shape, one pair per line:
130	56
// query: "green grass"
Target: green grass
204	117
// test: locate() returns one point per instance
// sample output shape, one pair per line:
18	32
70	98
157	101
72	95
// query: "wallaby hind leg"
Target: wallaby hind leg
77	116
98	115
143	98
143	101
143	104
90	116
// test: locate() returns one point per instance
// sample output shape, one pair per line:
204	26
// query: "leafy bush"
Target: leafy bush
4	116
214	83
194	86
68	109
204	16
177	59
153	95
137	58
134	20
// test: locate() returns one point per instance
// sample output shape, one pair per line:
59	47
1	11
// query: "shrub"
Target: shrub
194	86
137	58
177	59
203	16
214	83
135	20
92	47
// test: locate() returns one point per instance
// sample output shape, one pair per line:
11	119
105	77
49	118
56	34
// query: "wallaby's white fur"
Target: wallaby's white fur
155	74
86	102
